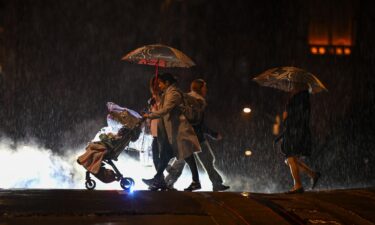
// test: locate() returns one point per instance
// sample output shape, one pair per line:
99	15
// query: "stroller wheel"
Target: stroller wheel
90	184
126	183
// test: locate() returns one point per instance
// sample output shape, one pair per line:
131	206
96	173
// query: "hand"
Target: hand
285	115
146	115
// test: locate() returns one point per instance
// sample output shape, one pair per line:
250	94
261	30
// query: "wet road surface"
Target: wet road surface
356	206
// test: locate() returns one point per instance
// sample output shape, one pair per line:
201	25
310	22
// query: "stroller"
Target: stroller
109	145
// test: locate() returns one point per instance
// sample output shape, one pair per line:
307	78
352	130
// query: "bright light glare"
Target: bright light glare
322	50
339	51
245	194
314	50
248	153
37	167
131	190
246	110
347	51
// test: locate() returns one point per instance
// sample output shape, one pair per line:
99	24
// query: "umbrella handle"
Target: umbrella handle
156	75
156	69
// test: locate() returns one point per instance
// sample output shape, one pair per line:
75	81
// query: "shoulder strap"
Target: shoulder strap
182	96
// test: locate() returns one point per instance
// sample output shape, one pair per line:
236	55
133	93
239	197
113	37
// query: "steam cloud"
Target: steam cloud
27	165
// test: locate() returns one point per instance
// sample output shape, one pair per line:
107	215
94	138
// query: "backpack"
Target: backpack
192	108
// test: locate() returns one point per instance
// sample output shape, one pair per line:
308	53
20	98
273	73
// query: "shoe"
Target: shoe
170	180
296	191
158	185
148	182
193	186
168	168
220	187
170	188
315	180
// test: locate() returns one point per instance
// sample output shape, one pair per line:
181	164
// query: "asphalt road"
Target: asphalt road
356	206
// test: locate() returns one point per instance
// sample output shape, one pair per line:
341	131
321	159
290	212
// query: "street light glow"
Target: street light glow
248	152
246	110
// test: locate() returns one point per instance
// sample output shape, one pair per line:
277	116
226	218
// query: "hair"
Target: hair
197	85
167	77
153	85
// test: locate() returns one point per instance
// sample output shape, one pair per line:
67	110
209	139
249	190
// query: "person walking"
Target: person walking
176	136
198	90
297	138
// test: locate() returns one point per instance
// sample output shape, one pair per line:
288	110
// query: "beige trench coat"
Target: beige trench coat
179	131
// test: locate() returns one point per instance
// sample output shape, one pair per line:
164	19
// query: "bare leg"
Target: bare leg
312	174
292	162
301	165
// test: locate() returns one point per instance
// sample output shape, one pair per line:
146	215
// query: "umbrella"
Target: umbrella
159	55
290	78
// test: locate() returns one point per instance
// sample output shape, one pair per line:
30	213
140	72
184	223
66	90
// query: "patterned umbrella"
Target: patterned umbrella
159	55
289	79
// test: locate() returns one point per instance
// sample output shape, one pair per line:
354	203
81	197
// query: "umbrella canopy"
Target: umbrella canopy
289	79
159	55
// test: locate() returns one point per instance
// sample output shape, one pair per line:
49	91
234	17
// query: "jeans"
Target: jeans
206	158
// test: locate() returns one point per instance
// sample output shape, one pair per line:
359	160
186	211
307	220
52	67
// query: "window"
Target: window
331	27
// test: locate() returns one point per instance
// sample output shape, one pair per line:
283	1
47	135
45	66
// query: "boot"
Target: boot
158	184
148	182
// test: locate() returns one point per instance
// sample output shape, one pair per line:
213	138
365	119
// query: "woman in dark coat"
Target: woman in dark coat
297	138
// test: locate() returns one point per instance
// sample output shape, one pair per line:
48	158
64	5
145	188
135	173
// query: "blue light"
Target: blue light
131	189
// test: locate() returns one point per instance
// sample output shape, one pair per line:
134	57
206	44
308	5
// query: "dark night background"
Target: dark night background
61	63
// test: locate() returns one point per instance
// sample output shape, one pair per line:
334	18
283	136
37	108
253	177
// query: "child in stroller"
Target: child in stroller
125	126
